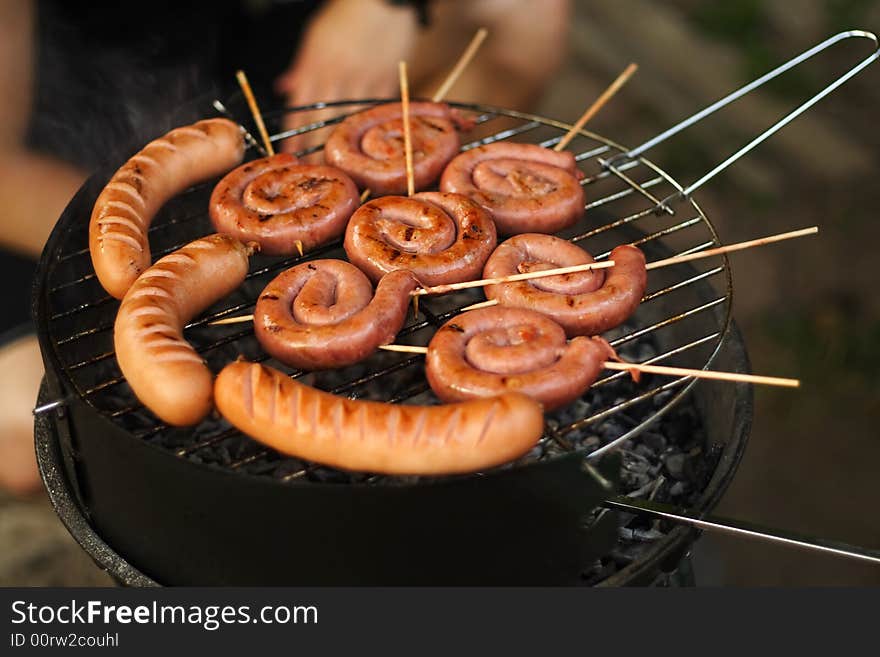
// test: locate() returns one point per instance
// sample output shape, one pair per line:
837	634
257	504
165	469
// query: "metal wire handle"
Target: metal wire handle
612	163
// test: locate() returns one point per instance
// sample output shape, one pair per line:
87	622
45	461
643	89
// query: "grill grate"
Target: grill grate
81	314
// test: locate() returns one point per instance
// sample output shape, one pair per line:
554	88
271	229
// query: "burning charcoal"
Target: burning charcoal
675	466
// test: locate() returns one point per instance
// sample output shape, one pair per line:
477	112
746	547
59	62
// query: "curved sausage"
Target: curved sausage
526	188
165	167
441	238
490	351
579	310
374	436
276	202
368	146
323	314
164	371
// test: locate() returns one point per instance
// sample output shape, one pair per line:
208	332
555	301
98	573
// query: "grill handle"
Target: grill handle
684	192
712	523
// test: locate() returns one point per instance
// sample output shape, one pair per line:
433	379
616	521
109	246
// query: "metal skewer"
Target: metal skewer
721	525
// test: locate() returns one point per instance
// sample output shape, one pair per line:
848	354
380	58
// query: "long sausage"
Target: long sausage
490	351
162	368
276	202
165	167
374	436
368	145
323	314
441	238
579	310
526	188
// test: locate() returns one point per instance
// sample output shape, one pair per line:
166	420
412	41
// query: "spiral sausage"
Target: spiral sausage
526	188
490	351
323	314
373	436
277	202
587	303
368	146
163	370
441	238
165	167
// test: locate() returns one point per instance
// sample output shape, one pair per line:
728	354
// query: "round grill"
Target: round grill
677	322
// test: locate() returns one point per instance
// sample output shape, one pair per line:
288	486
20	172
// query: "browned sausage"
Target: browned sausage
579	310
373	436
490	351
368	146
276	202
526	188
323	314
162	368
165	167
441	238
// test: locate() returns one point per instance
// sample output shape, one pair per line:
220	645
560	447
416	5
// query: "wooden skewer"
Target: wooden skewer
738	246
365	195
596	106
651	369
451	287
460	65
441	289
299	247
255	110
407	133
232	320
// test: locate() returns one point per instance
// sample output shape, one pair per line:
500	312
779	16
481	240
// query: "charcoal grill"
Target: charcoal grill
207	505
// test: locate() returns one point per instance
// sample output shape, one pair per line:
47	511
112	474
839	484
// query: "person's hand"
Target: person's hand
350	50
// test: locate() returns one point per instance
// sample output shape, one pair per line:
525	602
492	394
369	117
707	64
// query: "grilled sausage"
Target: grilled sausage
579	305
323	314
374	436
165	167
526	188
276	202
490	351
369	147
164	371
441	238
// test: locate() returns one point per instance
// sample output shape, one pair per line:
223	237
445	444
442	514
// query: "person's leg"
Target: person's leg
21	369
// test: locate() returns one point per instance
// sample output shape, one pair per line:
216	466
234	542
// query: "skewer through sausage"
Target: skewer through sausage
323	314
165	167
374	436
526	188
441	238
276	202
583	303
162	368
490	351
368	145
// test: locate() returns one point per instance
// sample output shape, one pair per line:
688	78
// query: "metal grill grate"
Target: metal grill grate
626	197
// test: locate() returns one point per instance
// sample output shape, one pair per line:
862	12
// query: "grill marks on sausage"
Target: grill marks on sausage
376	437
128	203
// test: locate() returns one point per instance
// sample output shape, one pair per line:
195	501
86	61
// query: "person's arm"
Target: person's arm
34	189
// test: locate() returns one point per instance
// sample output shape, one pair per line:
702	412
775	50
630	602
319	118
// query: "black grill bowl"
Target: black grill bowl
149	516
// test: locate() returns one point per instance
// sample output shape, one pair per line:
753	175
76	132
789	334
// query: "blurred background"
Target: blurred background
807	309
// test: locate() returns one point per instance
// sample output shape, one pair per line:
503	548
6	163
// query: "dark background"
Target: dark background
808	309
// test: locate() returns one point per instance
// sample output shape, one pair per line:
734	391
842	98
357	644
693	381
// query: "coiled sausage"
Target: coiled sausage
587	303
525	188
373	436
162	368
490	351
276	202
368	145
165	167
441	238
323	314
